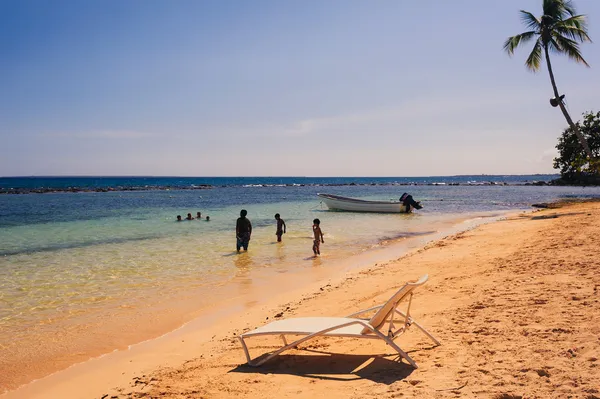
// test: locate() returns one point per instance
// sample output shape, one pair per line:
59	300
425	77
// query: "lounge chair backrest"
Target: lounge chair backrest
379	319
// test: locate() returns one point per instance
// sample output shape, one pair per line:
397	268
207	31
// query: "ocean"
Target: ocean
93	264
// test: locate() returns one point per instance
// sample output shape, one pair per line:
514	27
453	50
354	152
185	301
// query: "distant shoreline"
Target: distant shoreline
43	190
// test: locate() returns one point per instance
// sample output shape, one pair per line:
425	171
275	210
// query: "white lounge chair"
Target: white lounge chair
351	326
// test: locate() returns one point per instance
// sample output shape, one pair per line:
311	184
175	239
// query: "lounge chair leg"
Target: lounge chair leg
403	354
420	327
396	347
248	359
274	354
283	349
427	333
284	340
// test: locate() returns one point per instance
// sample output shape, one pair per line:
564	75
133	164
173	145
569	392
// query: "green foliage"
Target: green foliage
572	160
559	30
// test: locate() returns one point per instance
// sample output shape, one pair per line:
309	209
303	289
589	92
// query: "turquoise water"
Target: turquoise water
87	248
71	261
75	265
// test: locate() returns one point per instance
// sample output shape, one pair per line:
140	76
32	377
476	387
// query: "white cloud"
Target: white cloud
100	134
460	113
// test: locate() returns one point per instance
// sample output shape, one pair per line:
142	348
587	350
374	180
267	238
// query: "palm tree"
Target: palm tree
559	30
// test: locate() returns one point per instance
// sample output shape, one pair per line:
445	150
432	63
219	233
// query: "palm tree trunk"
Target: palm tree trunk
582	139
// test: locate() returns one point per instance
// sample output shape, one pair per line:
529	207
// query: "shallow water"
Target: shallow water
71	263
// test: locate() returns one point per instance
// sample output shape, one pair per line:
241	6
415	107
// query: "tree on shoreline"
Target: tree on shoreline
559	30
571	160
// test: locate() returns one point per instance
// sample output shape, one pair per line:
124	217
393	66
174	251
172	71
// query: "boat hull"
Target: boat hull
338	203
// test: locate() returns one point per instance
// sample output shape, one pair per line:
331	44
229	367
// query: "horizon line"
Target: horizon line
264	176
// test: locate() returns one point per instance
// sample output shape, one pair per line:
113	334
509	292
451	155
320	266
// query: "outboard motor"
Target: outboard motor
408	201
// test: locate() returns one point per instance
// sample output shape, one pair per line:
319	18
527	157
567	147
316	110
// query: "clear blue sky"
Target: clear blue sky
279	88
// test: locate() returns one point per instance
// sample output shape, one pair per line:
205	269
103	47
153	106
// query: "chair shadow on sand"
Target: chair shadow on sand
383	368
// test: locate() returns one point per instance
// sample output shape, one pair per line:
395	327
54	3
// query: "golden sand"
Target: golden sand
515	303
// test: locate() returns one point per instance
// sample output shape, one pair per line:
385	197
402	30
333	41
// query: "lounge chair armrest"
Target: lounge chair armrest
365	311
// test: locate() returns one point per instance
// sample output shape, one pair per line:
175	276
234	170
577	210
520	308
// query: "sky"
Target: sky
280	88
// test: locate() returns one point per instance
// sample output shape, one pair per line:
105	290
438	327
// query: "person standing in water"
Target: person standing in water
280	227
318	235
243	231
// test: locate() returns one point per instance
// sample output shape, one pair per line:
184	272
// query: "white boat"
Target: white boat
339	203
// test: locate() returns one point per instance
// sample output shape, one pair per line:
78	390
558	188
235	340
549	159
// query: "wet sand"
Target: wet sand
515	304
41	347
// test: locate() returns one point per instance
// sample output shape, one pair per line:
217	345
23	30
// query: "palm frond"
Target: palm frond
559	29
564	45
569	7
558	9
552	8
574	28
554	46
530	21
514	41
578	21
572	33
534	60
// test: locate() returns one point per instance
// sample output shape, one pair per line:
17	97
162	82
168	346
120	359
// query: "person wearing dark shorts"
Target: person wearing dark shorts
280	227
243	231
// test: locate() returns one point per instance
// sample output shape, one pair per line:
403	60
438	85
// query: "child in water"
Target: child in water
280	227
318	235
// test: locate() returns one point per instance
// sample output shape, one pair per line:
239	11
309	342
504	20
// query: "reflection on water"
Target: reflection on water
280	252
316	261
65	283
243	260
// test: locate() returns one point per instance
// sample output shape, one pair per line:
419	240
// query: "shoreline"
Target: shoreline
56	190
496	299
302	279
22	185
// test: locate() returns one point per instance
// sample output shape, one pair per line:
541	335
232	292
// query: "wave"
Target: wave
74	245
405	234
26	185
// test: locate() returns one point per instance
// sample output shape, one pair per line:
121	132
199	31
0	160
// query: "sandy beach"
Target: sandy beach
515	304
